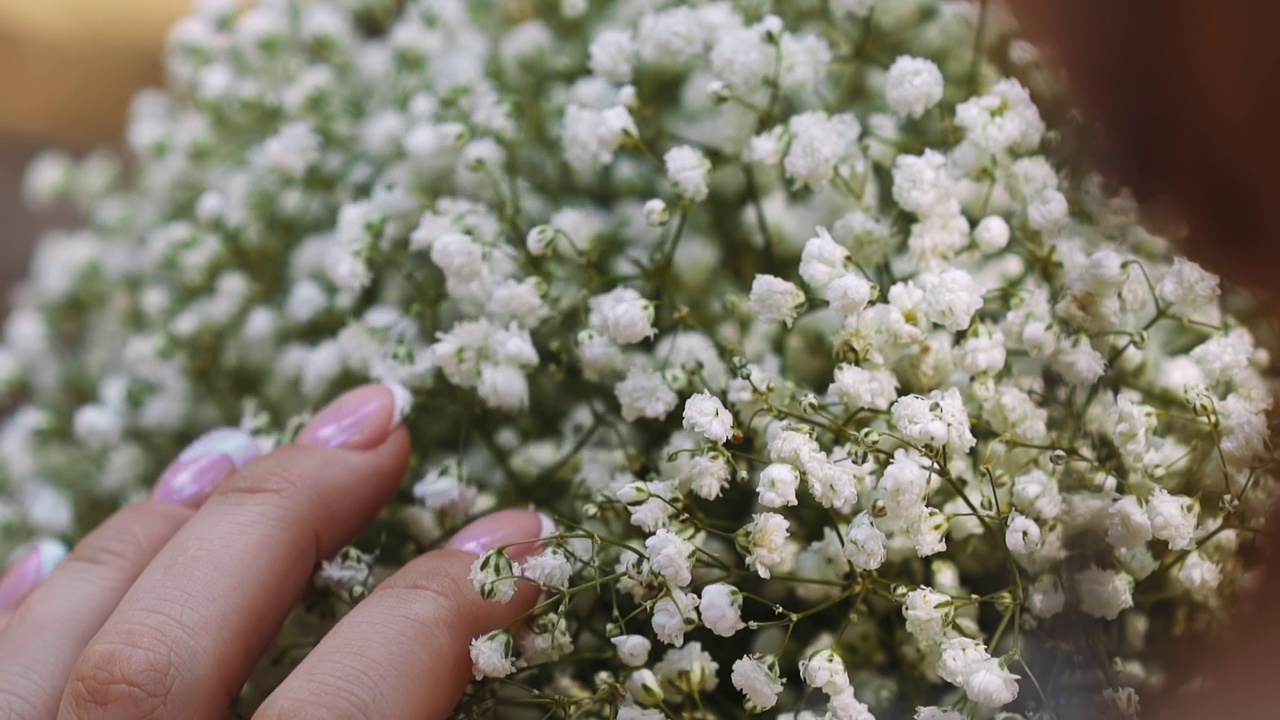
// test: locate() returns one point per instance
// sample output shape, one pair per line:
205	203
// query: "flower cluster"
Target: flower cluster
851	394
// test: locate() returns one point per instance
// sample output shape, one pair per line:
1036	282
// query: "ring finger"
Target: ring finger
53	613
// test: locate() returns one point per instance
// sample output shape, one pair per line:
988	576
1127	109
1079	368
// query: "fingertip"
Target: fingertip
517	531
360	419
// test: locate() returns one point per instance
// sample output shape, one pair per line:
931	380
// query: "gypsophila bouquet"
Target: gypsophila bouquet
850	392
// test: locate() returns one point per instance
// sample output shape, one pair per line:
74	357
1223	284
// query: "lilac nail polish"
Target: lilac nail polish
210	458
359	419
30	568
505	527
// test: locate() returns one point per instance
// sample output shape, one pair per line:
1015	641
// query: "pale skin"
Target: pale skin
164	610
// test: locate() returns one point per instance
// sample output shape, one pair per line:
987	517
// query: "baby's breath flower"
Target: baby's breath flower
896	330
775	300
912	86
757	678
721	609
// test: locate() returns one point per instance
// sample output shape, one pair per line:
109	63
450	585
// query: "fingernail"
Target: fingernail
505	527
360	419
213	456
30	568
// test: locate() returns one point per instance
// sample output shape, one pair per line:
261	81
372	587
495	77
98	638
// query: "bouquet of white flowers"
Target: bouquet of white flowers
850	392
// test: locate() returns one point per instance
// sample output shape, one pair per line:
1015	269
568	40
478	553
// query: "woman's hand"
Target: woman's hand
163	611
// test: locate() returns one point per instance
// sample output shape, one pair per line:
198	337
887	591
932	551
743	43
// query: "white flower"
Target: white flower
912	85
1128	525
590	136
633	650
793	447
922	185
1104	593
1079	363
689	669
845	705
612	55
743	59
673	614
671	37
928	532
768	147
821	146
991	234
938	420
1047	211
503	387
862	388
937	713
705	414
1199	576
758	680
491	655
687	170
950	298
1173	518
1188	285
848	294
549	568
822	261
98	425
721	609
1023	537
989	684
824	670
708	476
1133	421
775	300
777	485
766	538
671	556
937	237
460	257
643	687
495	576
1224	356
628	711
1036	494
1045	597
1003	119
903	486
864	544
982	354
805	59
656	212
927	613
959	657
622	314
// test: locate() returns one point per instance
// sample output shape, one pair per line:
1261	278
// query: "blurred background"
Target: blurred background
68	69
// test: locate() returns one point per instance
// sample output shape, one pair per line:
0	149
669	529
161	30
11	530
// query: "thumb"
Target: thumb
405	650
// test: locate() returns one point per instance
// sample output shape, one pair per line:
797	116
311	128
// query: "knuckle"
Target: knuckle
17	702
121	679
263	482
123	547
428	597
319	698
428	582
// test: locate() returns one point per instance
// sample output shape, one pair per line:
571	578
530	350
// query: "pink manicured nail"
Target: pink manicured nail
213	456
359	419
30	568
504	528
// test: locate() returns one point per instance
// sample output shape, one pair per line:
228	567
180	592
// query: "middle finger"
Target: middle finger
185	637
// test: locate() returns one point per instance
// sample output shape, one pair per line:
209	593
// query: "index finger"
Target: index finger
187	635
